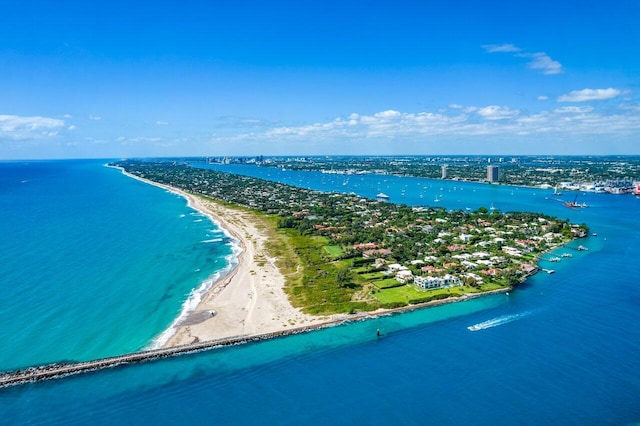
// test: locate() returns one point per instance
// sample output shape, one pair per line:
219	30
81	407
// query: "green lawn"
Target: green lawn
372	276
388	283
408	293
334	251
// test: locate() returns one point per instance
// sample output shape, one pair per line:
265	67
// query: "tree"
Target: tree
343	277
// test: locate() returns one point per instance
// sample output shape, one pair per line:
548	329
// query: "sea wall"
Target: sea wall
56	370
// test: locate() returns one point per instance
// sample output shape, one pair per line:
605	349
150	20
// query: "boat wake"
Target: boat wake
494	322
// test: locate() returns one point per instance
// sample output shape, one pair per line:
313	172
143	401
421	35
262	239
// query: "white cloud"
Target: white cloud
543	62
543	98
138	139
94	117
630	107
495	112
573	110
72	127
17	127
492	120
499	48
539	60
67	116
589	95
161	123
462	108
389	114
93	141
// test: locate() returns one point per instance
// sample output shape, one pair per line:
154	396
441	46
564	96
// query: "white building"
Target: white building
436	282
404	276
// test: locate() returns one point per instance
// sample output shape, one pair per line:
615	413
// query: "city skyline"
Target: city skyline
168	79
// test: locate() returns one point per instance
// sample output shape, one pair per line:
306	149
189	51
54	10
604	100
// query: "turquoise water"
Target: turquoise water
561	349
93	263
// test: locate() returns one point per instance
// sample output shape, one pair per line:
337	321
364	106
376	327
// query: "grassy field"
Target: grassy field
409	294
387	283
334	251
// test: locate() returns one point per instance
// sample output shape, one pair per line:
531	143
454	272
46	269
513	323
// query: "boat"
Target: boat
582	248
556	192
575	204
567	255
382	196
554	259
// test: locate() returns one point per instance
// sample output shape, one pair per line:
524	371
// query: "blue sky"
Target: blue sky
164	78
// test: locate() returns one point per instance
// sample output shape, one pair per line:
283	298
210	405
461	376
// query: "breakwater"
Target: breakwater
57	370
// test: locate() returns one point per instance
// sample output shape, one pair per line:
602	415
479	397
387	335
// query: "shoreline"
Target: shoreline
249	300
196	330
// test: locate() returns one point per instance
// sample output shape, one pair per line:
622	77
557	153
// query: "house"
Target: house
379	263
436	282
375	253
430	269
528	268
365	246
395	267
469	265
404	276
480	254
512	251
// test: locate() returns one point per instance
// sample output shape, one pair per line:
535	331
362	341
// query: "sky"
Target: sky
97	79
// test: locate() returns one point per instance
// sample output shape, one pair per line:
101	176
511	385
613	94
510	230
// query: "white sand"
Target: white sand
248	301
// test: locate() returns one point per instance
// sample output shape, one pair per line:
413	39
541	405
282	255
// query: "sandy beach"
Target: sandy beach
250	299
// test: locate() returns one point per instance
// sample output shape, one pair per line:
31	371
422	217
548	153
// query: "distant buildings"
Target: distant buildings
444	171
493	173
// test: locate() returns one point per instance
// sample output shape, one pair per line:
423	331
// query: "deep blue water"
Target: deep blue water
561	349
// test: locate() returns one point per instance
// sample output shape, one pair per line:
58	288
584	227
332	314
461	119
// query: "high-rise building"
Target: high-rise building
444	171
493	173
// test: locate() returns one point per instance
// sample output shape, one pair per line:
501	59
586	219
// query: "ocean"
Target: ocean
94	264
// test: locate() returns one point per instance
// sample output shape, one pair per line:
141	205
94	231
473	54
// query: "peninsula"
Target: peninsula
310	257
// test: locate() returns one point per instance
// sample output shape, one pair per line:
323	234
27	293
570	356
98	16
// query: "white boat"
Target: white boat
556	192
382	196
